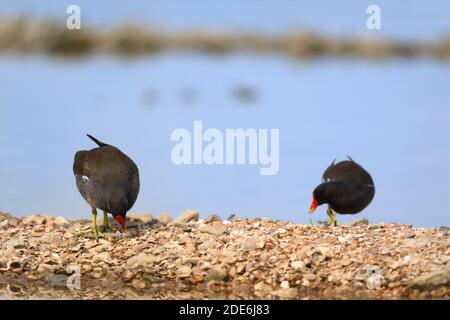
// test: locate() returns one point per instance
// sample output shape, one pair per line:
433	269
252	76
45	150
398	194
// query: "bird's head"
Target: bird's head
320	195
121	220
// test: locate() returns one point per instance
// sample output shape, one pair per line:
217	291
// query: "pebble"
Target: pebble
140	260
187	216
16	243
248	244
138	284
128	275
262	286
35	219
215	230
212	218
164	218
216	273
190	260
61	221
144	218
288	293
184	271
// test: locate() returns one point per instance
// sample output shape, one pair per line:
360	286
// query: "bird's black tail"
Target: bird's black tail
100	144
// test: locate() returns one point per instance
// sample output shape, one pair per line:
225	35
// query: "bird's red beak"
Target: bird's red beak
314	205
121	221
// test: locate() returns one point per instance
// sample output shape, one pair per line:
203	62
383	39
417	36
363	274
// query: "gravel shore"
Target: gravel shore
187	258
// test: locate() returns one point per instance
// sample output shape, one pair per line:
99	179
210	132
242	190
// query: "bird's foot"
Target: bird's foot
333	222
97	233
106	229
332	216
83	231
90	232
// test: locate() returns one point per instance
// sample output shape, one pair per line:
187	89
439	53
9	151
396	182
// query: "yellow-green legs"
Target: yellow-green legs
93	229
105	227
332	216
94	222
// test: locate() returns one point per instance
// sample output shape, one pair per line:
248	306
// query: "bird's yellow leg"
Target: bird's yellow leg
97	234
105	227
105	220
332	217
94	222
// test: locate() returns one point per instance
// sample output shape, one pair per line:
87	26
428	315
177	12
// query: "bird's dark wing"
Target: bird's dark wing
107	178
349	171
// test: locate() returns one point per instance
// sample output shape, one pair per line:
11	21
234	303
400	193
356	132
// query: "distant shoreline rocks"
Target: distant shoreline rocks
23	35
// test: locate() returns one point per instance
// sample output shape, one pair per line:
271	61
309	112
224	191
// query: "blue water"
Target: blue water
390	116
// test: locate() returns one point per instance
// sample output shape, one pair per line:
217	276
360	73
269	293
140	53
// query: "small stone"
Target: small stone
432	280
102	257
140	260
262	286
297	265
284	284
98	273
231	217
34	219
288	293
325	251
375	281
4	216
138	284
127	275
187	216
209	244
13	265
212	218
240	268
87	268
215	230
164	218
44	267
248	244
190	260
216	273
360	222
184	271
144	218
306	283
16	243
61	221
51	240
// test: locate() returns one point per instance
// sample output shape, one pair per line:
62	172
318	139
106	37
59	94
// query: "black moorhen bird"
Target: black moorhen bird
108	180
347	189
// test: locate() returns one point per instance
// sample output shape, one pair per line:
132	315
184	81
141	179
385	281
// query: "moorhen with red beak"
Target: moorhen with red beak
108	180
346	187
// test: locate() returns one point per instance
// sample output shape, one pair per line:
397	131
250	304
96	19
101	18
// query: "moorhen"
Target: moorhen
108	180
346	187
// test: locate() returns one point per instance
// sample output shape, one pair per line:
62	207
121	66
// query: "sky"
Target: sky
390	116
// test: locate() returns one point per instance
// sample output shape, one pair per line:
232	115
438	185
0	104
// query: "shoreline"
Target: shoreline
188	258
